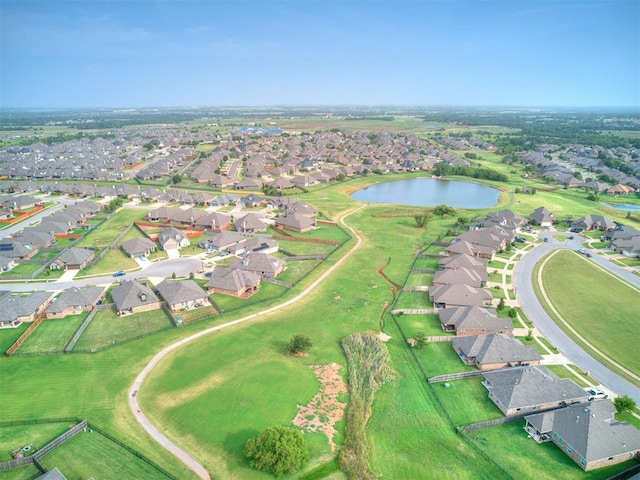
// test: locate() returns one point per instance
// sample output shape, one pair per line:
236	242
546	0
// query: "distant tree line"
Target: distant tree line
443	170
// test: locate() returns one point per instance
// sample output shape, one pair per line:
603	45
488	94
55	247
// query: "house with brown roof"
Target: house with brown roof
462	247
296	223
593	222
459	295
495	350
182	294
74	301
543	217
620	189
250	223
473	321
224	241
134	296
588	433
172	238
261	263
233	282
464	276
215	221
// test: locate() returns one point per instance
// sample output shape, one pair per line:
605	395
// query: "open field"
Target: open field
109	230
590	305
52	335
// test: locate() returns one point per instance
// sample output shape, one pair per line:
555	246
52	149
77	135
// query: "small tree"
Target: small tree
278	450
513	314
500	304
299	344
422	219
173	275
191	275
420	339
625	402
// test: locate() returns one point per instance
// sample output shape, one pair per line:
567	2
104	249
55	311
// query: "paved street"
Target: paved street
534	310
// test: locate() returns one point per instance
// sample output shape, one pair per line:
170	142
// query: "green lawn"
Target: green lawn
467	401
592	303
413	300
38	435
52	335
106	328
90	454
296	270
419	280
429	324
104	235
113	261
23	269
522	456
532	341
8	336
267	291
305	248
440	358
563	372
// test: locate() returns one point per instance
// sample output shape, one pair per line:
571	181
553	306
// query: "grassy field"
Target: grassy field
109	230
591	305
106	328
90	454
113	261
467	401
37	436
8	336
52	335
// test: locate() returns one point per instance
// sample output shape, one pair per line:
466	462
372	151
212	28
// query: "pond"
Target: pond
428	192
623	206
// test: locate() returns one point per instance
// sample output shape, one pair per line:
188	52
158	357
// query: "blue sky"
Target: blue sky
103	53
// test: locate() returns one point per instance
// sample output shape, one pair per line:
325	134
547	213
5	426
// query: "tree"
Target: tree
278	450
299	344
512	313
176	179
500	304
625	402
422	219
420	339
444	210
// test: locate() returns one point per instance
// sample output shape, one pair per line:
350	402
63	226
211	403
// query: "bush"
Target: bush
299	344
623	403
278	450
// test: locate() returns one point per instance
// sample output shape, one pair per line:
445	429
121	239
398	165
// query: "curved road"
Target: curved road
531	306
183	456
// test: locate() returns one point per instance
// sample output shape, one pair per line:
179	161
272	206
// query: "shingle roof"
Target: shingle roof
137	246
520	387
132	293
75	297
179	291
14	306
496	348
473	318
233	279
75	256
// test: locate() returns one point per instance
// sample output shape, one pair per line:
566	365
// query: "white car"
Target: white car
595	393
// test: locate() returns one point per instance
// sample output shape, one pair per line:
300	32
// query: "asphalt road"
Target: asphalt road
533	309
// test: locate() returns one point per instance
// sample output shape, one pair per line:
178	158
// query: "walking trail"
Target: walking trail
144	421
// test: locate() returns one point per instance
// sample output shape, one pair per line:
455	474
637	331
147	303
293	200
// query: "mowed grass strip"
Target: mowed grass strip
603	309
467	401
107	328
90	454
19	436
109	230
52	335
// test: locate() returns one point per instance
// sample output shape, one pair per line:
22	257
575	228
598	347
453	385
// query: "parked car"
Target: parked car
223	253
582	250
521	240
571	237
595	393
119	273
546	239
588	254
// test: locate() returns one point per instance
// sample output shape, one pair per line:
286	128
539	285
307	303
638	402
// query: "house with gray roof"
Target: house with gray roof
172	238
223	241
74	300
521	390
495	350
250	223
587	433
233	282
473	321
16	308
182	294
464	276
459	295
462	247
16	248
593	222
137	247
72	258
134	296
261	244
215	221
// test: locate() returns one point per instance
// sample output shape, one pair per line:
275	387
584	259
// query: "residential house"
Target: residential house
134	296
588	433
473	321
74	300
72	258
620	189
478	265
450	276
215	222
250	223
261	263
17	308
224	241
261	244
248	184
182	294
495	350
520	390
593	222
138	247
461	247
233	282
16	248
172	238
459	295
543	217
296	223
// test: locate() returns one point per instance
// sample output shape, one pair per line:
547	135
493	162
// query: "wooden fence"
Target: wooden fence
413	311
491	423
417	288
84	326
454	376
21	339
440	339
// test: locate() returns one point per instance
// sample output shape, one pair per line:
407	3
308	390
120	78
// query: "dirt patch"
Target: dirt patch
324	410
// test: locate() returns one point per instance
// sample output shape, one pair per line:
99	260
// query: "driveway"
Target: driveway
531	306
